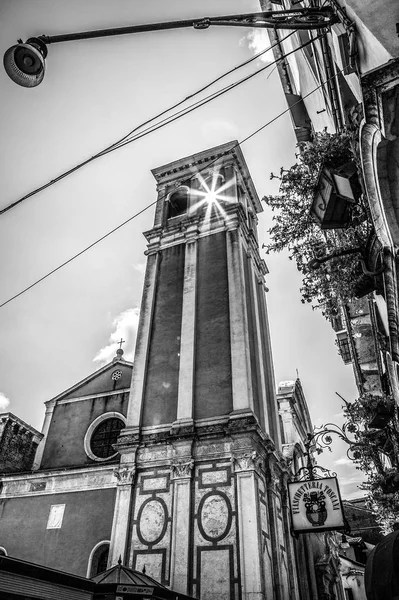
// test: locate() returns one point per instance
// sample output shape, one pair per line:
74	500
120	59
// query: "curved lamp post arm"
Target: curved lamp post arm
25	62
302	18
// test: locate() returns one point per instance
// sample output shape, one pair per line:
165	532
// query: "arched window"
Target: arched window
98	559
3	551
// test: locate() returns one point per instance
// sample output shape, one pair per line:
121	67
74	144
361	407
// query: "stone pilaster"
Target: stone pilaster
240	359
187	342
248	521
142	345
289	542
181	469
259	345
273	488
46	425
124	474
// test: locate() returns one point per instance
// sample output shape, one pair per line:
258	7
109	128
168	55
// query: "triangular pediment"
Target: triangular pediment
112	377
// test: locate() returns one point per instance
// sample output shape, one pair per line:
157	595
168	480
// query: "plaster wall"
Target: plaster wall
306	83
87	520
375	23
65	440
352	576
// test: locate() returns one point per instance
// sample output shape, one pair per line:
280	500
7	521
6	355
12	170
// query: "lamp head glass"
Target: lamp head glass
24	63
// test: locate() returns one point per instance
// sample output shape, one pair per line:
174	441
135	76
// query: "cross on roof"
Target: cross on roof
121	341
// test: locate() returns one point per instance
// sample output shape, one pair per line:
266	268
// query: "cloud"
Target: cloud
124	327
339	415
344	461
140	268
354	494
258	40
4	401
218	130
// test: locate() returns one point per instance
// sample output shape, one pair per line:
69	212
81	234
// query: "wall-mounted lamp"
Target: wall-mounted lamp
25	62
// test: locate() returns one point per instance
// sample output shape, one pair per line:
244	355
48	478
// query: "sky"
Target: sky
93	93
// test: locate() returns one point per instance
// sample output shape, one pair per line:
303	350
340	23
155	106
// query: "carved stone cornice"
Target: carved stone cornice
182	430
242	424
181	468
374	83
125	475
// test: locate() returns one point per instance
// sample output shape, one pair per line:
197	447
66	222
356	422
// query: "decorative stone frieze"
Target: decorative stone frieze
125	442
212	450
57	481
125	475
153	455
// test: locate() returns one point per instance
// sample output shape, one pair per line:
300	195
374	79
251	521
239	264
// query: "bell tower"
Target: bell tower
199	496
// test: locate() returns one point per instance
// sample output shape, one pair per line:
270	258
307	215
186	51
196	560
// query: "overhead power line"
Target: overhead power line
126	138
248	137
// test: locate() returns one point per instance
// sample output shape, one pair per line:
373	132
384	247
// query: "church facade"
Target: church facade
174	464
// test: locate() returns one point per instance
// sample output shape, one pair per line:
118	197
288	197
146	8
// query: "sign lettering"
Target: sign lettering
316	505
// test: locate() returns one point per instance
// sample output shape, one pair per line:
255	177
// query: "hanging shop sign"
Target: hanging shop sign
316	505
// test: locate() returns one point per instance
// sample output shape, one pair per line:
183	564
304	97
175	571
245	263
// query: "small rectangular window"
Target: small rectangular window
56	516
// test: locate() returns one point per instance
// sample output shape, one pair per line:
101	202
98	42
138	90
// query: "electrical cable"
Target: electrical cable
152	203
119	143
199	103
103	237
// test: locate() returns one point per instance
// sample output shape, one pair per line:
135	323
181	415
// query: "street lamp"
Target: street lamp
25	62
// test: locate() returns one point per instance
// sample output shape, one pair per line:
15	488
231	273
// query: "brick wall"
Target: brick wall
17	446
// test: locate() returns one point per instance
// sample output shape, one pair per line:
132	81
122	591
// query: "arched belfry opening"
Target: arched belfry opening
178	202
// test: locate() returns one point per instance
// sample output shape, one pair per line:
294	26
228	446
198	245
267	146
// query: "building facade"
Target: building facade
174	464
57	510
347	79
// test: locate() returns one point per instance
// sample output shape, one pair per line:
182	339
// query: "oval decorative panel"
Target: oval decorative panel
152	521
214	516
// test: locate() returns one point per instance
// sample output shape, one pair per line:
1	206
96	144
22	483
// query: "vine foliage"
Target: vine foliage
377	454
295	230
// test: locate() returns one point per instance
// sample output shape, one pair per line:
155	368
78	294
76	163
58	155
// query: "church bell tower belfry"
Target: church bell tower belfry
199	500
